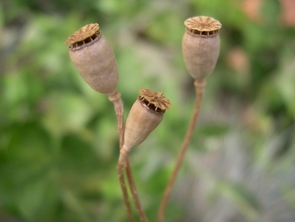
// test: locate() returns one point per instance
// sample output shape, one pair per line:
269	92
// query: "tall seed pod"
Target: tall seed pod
200	45
200	48
94	59
145	115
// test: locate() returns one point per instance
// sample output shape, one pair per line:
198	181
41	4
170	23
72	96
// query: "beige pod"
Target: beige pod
145	115
94	59
200	45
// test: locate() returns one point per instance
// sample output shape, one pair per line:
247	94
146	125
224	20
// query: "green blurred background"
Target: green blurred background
58	137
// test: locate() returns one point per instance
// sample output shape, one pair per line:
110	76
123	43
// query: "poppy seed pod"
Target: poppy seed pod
200	45
93	58
145	115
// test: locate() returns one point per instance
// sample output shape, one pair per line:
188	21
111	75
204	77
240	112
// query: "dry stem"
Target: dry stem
199	87
119	109
134	193
120	169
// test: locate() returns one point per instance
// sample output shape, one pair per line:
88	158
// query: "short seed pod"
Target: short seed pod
200	45
145	115
93	58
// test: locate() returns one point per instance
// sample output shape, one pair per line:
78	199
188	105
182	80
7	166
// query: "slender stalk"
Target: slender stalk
115	98
120	169
119	109
199	87
133	189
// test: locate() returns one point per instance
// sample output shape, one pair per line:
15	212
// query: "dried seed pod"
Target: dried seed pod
200	45
93	58
145	115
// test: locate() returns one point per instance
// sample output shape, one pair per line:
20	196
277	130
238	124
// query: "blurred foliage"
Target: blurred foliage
58	138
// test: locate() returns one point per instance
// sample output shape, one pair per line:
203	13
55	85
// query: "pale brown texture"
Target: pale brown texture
96	64
140	122
145	115
200	52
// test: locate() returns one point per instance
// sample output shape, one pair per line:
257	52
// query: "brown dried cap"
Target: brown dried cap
202	25
84	35
154	100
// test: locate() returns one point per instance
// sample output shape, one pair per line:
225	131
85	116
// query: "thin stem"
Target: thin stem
115	98
199	87
133	189
119	109
120	168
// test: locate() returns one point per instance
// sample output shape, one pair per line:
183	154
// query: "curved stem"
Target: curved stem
199	87
119	109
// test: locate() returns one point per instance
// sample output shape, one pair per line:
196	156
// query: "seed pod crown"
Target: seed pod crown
154	101
85	35
202	25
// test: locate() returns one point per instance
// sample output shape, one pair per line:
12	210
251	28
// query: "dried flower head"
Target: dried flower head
85	35
202	25
94	59
201	45
154	100
145	115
